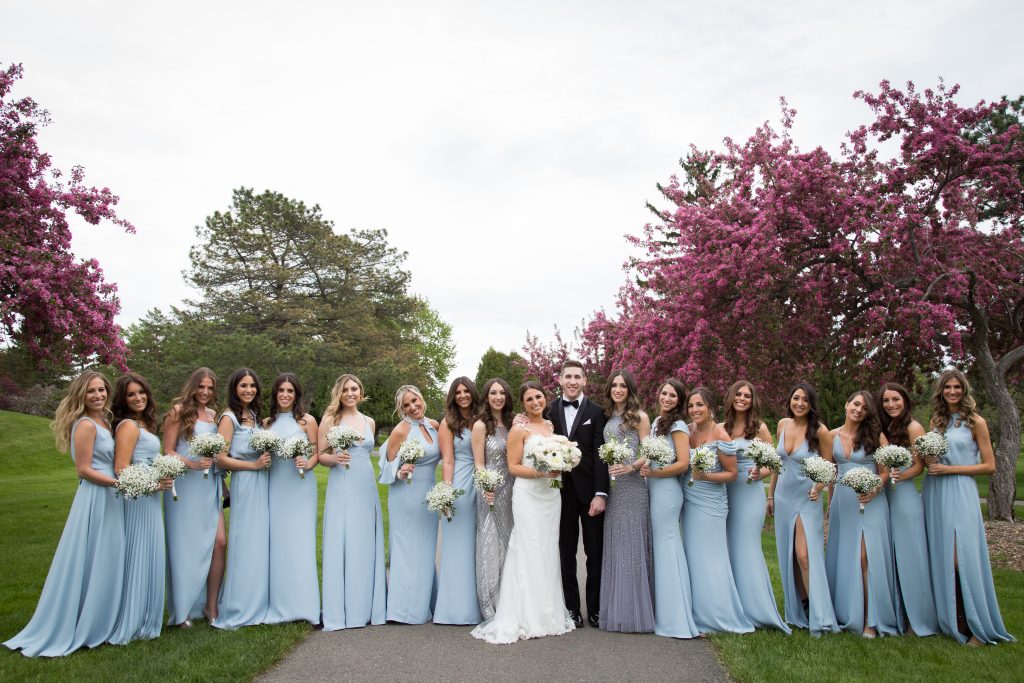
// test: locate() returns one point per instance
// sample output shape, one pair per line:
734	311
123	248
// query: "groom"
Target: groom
584	490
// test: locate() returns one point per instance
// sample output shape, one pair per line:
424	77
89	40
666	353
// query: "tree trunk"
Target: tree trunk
1002	488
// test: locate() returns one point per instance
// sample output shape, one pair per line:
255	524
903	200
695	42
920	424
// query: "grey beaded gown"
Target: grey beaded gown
627	575
493	527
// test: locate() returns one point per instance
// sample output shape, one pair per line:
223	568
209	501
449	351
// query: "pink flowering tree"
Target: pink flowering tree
902	251
59	308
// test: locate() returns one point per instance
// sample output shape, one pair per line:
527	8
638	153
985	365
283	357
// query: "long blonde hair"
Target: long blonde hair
334	408
72	407
940	411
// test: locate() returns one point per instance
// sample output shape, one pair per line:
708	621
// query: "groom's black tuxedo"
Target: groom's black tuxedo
578	489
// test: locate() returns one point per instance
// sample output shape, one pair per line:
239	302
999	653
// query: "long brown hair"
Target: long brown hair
753	424
868	430
507	411
813	421
235	403
188	406
940	411
631	415
72	407
896	429
298	410
709	400
120	407
334	407
678	413
453	414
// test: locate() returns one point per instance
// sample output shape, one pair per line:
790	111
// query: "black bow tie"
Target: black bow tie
575	404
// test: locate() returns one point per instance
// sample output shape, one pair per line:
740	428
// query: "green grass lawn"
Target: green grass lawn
983	480
37	485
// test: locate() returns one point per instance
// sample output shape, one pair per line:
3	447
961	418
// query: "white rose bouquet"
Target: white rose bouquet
295	447
554	453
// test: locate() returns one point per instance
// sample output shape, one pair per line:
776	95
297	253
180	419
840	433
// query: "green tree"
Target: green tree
510	367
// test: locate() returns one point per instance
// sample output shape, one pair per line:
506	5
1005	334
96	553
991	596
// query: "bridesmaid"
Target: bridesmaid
799	522
859	552
626	571
493	527
412	588
294	587
912	596
742	423
245	598
135	443
965	597
716	602
456	577
355	589
194	524
673	611
86	577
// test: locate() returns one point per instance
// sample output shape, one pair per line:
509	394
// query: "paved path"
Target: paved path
429	652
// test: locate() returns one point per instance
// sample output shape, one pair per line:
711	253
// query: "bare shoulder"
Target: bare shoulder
479	427
433	423
914	430
400	431
720	434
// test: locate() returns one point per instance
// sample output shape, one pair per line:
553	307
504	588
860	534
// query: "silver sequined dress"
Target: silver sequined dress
493	527
627	576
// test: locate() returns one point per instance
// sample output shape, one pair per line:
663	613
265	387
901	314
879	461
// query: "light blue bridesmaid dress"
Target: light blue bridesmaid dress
746	519
77	607
355	587
245	598
953	519
846	528
190	524
912	595
673	611
716	602
412	584
294	586
456	576
791	503
142	605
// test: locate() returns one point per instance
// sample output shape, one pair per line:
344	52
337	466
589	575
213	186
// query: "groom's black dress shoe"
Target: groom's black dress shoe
577	618
594	619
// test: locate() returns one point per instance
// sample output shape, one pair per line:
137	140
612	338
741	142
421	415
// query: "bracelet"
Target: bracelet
771	498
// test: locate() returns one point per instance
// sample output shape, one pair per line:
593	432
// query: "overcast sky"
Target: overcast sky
508	149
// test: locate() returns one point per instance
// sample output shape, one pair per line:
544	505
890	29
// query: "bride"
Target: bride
530	602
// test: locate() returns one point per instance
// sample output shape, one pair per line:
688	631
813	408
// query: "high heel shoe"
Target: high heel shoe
185	624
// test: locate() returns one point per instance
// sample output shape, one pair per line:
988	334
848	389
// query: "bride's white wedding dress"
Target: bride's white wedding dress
530	602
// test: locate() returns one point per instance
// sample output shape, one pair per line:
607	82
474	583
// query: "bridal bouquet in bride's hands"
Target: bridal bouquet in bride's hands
553	453
441	499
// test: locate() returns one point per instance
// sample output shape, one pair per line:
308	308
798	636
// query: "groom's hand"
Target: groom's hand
597	506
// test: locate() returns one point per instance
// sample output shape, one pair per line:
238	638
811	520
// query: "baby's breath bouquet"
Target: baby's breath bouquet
931	446
862	481
702	459
169	467
441	499
410	452
488	481
819	470
342	438
264	441
893	458
656	449
137	480
295	447
763	454
615	452
206	445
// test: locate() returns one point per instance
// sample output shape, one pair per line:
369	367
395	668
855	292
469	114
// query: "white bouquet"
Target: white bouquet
410	452
862	481
931	446
615	452
656	449
893	458
296	446
342	438
441	499
136	480
553	453
169	467
207	445
763	454
488	481
264	441
819	470
702	459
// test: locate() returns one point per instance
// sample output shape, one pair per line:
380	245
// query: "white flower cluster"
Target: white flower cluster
553	453
819	470
441	499
893	458
295	447
862	481
264	441
410	452
615	452
656	449
206	445
137	480
763	454
931	445
488	481
342	438
169	467
702	459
